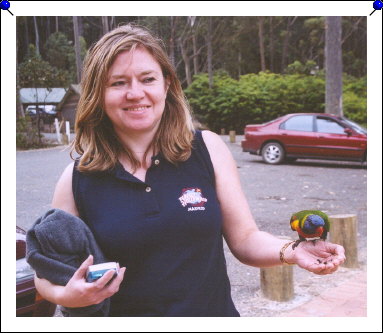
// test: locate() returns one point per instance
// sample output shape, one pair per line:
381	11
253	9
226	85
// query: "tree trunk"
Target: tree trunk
210	51
290	22
37	37
57	24
171	41
77	48
80	25
195	53
261	43
19	106
333	60
26	37
186	60
112	22
239	63
48	31
271	44
105	25
38	116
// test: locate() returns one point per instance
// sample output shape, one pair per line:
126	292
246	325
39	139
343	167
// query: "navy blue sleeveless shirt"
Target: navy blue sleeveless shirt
167	231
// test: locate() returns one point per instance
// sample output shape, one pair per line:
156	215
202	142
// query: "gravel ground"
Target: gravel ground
274	192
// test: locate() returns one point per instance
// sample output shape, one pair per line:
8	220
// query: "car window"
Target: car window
299	123
325	125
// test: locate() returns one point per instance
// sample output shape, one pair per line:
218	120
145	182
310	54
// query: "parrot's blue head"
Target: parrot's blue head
315	221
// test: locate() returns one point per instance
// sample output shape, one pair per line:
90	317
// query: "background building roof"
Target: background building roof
44	95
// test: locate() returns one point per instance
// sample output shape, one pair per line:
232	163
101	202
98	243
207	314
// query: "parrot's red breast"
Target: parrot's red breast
318	232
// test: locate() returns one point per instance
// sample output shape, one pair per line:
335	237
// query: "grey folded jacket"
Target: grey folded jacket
57	244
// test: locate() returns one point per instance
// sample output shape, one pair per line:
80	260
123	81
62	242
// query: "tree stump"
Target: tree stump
343	231
232	136
277	283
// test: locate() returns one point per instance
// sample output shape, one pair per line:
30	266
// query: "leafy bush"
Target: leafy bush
355	99
26	134
257	98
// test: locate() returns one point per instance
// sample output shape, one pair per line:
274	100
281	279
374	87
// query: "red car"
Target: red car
28	301
307	135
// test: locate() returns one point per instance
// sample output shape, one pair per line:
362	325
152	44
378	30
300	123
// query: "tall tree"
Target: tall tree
210	51
286	37
57	23
333	59
261	43
105	24
77	48
271	44
37	37
172	39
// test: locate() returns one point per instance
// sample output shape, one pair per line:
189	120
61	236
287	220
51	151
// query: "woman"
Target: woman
157	194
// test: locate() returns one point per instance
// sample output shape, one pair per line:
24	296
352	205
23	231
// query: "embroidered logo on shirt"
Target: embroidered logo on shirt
193	198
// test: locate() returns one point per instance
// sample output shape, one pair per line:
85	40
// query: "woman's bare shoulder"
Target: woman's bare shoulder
63	195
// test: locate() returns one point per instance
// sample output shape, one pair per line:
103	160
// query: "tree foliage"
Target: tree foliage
263	66
258	98
38	73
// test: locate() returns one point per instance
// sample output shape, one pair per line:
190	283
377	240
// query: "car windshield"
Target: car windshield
354	126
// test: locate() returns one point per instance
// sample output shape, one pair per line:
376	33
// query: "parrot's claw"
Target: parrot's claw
296	244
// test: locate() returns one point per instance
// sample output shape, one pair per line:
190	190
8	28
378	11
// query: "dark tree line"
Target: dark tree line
237	45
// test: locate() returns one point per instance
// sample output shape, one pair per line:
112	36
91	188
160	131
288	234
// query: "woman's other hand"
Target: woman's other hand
79	293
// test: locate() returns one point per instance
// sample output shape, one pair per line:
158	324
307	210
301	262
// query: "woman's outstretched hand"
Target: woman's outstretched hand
318	256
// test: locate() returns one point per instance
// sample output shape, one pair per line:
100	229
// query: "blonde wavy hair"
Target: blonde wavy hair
95	141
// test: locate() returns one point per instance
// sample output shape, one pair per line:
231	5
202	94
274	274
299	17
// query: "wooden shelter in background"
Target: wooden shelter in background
68	105
41	96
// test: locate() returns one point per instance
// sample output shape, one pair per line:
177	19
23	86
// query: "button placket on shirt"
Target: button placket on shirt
151	203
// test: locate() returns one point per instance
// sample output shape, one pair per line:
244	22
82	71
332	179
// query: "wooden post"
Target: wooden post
277	283
343	231
57	130
222	131
67	130
232	136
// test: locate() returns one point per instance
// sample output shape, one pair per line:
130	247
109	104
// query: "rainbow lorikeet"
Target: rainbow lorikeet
309	224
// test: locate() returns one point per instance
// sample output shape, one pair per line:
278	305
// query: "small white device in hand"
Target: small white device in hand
94	272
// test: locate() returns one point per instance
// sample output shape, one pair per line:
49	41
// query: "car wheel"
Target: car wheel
273	153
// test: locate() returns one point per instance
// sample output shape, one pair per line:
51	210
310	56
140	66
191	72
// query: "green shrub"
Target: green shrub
26	134
258	98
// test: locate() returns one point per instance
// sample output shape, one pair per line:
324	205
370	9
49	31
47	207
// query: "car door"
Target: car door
298	136
335	142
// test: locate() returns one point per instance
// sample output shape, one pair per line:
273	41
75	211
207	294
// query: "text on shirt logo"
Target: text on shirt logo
193	198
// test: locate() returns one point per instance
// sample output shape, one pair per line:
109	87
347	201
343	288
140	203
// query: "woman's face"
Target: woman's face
135	93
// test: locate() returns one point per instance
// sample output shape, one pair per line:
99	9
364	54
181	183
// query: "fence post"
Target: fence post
222	131
343	231
232	136
67	128
57	130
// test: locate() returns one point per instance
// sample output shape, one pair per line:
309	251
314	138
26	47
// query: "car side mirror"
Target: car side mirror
348	131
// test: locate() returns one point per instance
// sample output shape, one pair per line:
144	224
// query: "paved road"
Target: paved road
37	172
274	192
